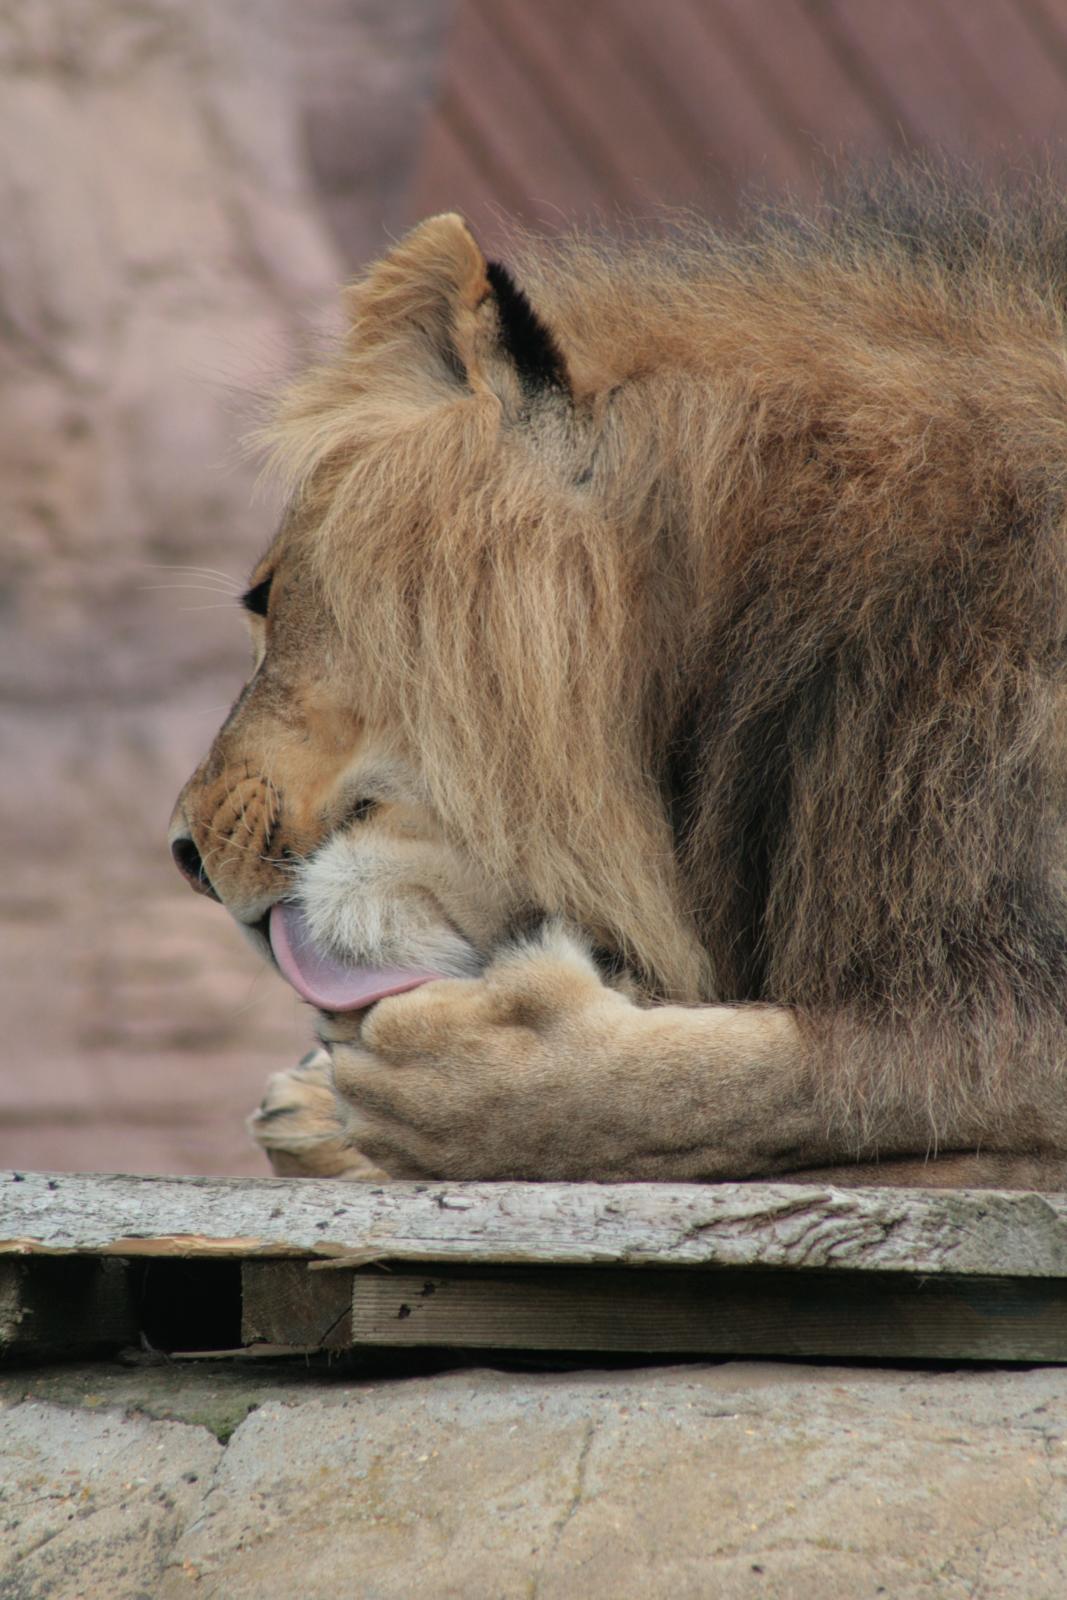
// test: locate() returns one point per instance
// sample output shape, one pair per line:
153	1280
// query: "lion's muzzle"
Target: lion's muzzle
224	838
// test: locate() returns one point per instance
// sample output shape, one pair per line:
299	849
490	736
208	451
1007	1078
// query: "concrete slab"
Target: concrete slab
91	1501
744	1481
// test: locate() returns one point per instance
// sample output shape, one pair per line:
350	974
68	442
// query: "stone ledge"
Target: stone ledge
750	1482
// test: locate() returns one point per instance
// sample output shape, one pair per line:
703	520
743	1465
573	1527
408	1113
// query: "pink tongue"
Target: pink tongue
330	984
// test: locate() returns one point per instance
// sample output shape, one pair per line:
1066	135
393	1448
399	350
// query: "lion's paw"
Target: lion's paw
298	1125
485	1077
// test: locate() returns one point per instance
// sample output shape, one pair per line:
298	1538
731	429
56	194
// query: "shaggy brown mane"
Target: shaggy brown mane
748	655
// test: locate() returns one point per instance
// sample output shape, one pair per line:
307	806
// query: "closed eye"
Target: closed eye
255	600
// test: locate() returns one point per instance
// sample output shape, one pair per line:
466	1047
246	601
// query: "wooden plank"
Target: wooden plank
686	56
788	59
983	45
918	61
511	119
639	117
616	105
620	168
839	1315
1046	21
448	180
50	1305
962	1232
282	1303
1017	65
53	1305
866	78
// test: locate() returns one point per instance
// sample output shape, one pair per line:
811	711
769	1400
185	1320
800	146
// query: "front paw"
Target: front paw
298	1125
484	1078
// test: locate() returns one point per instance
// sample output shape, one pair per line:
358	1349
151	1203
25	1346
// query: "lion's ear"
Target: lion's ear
430	297
422	297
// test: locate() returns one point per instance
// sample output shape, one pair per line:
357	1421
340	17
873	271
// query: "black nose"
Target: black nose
188	862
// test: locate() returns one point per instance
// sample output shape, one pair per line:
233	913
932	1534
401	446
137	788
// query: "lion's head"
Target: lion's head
466	656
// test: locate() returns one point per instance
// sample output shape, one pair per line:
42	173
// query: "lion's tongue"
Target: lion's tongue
330	984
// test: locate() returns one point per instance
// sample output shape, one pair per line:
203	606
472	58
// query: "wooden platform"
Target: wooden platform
615	109
194	1264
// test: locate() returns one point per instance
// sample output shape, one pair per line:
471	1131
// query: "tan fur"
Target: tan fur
297	1125
743	654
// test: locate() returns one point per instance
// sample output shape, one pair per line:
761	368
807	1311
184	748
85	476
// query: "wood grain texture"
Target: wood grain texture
892	1316
556	113
962	1232
282	1303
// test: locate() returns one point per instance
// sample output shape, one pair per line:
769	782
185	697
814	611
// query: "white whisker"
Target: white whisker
234	584
207	589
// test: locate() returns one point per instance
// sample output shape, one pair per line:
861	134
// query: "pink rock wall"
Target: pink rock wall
180	205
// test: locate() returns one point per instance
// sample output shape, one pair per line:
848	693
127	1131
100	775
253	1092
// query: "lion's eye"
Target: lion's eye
255	599
361	810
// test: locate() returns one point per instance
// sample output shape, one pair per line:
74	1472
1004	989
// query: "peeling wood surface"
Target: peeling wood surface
963	1232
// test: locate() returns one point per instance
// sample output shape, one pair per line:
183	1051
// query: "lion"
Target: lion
654	763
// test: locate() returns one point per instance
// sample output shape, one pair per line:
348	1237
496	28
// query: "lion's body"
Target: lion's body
735	636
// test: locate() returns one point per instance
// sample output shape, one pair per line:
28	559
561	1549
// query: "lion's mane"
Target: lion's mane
748	653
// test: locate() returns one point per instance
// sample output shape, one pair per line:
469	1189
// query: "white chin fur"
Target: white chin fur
367	903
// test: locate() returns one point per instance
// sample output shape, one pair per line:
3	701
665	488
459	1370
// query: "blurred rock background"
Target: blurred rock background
183	186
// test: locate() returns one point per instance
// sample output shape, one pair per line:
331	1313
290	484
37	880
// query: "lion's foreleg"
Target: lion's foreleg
537	1070
843	1103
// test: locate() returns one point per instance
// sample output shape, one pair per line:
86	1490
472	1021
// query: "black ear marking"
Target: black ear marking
528	341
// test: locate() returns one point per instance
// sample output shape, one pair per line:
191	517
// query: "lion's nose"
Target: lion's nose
188	862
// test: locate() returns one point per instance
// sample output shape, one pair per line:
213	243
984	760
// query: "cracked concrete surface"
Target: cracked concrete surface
741	1480
91	1505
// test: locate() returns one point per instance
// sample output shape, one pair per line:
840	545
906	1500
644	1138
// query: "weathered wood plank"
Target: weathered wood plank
64	1305
962	1232
888	1316
55	1304
282	1303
